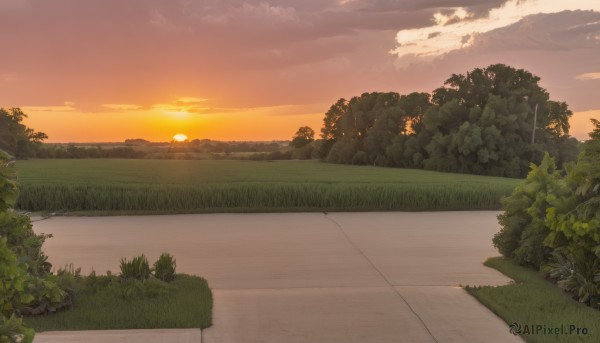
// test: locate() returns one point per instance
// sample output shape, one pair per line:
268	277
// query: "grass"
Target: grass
187	303
159	186
532	300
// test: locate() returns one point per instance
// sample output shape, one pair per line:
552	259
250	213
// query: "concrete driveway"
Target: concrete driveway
312	277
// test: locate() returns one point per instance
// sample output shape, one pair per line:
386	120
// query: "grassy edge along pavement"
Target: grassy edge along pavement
536	307
106	303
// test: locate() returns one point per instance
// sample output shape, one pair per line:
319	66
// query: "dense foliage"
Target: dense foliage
479	123
26	284
16	138
552	221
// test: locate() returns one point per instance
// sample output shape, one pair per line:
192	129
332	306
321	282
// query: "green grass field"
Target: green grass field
176	186
532	300
186	304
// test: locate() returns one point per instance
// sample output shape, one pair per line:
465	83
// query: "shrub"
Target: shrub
13	330
577	271
26	284
94	283
164	267
138	268
523	222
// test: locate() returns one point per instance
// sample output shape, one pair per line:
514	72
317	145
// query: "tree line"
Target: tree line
481	122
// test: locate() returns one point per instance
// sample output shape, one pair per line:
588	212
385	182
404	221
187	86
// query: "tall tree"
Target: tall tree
16	138
480	122
304	136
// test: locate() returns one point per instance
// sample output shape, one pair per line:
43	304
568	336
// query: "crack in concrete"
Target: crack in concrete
341	229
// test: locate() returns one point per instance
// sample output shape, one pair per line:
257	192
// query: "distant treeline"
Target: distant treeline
481	122
139	148
73	151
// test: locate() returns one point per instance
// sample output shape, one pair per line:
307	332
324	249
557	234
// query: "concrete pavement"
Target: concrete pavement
121	336
311	277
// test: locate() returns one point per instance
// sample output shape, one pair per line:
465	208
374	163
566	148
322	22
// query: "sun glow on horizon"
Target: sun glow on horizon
180	137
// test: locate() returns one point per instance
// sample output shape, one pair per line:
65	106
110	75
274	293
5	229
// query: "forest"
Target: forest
481	122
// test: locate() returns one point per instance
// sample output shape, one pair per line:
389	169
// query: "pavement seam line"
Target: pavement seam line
341	229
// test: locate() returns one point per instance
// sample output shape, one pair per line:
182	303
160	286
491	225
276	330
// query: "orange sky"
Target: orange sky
160	124
97	70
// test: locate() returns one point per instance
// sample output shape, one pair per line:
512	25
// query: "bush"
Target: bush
164	267
523	222
138	268
12	330
577	272
553	222
26	284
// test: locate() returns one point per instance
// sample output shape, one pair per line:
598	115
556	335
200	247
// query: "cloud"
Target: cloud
191	100
449	31
122	107
244	54
9	77
562	31
66	107
588	76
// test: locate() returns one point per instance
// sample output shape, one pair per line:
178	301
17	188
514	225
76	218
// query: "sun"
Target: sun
180	137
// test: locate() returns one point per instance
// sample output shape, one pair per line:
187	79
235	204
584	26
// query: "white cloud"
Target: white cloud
458	29
588	76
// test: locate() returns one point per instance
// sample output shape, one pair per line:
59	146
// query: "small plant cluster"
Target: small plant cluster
552	222
139	280
139	268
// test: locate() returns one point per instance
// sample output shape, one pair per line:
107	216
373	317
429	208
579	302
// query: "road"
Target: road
311	277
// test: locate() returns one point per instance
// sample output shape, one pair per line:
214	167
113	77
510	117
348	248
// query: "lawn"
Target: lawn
549	314
186	303
174	186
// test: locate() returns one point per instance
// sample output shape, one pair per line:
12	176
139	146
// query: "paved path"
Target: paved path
311	277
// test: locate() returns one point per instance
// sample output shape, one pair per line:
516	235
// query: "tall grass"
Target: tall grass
147	186
216	197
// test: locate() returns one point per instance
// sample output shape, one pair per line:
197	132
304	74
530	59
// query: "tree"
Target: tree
16	138
304	136
552	222
13	275
479	122
26	284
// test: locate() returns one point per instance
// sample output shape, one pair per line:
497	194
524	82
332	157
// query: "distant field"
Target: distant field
179	186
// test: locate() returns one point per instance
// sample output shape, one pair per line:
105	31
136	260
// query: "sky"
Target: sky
99	71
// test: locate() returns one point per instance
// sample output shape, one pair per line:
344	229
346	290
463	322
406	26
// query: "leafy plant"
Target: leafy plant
164	267
523	222
138	268
13	330
578	273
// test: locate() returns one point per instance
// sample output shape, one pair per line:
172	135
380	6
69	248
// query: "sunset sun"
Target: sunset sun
180	137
